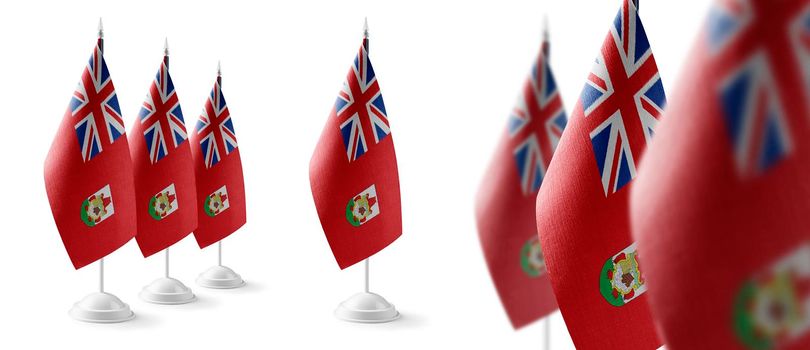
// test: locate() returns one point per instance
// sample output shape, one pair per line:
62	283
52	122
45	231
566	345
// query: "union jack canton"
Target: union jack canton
162	117
751	94
536	125
625	96
215	128
360	109
95	104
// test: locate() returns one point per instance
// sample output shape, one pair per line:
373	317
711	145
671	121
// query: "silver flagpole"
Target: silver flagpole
366	289
219	82
101	275
166	62
101	262
167	263
219	253
365	44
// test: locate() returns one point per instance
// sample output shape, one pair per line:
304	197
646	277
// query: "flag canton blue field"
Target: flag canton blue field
360	109
215	127
753	107
95	105
538	107
162	117
633	110
754	117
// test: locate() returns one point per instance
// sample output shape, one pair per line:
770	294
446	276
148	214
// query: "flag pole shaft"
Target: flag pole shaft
101	276
100	44
219	244
167	263
166	53
366	286
547	333
365	45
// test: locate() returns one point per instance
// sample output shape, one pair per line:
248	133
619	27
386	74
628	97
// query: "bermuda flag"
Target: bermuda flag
164	171
505	207
582	207
720	210
88	171
220	186
353	172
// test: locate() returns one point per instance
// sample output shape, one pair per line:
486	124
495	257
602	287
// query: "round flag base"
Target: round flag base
220	277
167	290
101	308
367	308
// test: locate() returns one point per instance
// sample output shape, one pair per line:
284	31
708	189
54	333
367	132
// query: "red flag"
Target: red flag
220	186
721	208
353	172
582	207
505	207
88	171
164	170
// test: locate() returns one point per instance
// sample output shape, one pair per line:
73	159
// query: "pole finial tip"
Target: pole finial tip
166	46
100	29
365	27
219	68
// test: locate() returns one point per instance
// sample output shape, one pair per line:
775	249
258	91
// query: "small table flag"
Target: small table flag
353	171
88	171
505	206
582	207
166	193
220	185
720	209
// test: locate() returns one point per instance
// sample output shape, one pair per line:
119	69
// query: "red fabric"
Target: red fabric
227	172
705	225
176	167
505	214
69	181
581	227
335	180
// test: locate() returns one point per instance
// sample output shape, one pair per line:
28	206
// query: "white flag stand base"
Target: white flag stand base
367	308
220	277
167	290
101	308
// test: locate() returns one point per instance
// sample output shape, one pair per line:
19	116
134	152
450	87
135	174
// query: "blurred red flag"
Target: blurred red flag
220	185
164	170
721	208
582	207
505	207
88	171
353	172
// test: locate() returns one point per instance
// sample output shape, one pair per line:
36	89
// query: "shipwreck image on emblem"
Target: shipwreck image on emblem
163	203
531	258
772	308
363	207
98	207
216	202
621	280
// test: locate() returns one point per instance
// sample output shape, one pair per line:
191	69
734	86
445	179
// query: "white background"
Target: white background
449	72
